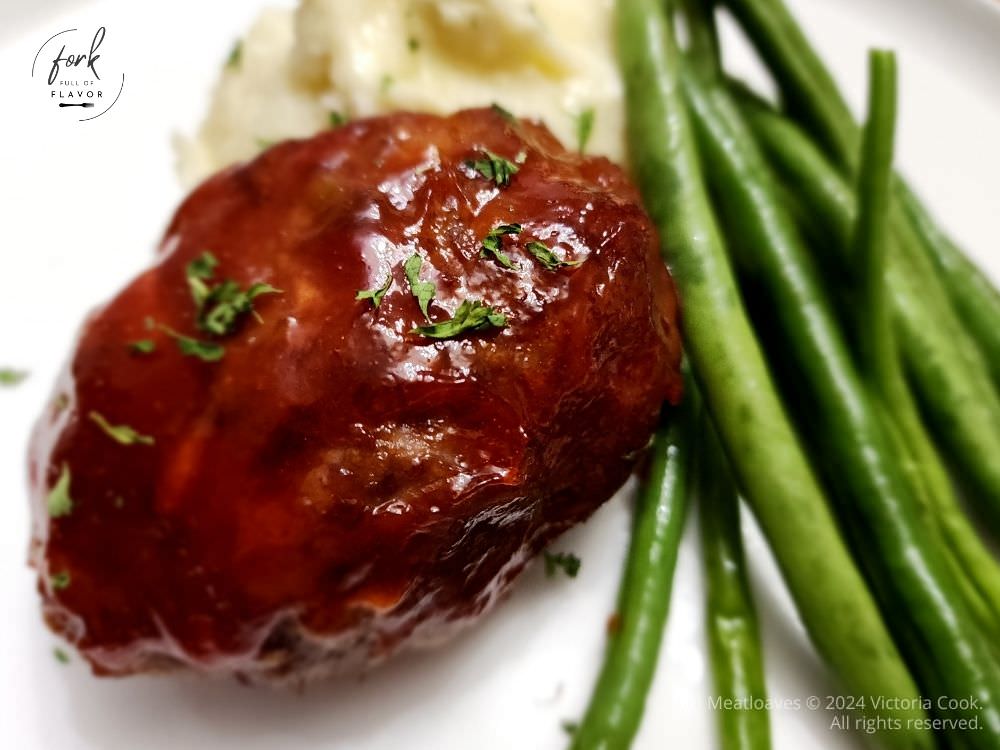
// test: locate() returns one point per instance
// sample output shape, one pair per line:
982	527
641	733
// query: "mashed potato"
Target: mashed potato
297	71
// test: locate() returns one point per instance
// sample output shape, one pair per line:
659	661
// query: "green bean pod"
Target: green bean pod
767	459
973	296
811	95
731	619
854	448
872	319
871	230
922	331
619	698
870	252
810	92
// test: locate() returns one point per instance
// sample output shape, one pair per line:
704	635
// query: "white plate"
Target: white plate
82	205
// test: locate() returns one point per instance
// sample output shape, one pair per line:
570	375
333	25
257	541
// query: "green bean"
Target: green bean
871	227
702	47
937	371
872	319
733	637
871	242
809	92
852	439
973	296
617	703
767	459
812	96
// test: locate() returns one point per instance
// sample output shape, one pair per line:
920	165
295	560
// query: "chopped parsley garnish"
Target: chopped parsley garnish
504	113
220	306
375	295
413	43
142	346
120	433
227	302
59	502
570	727
61	656
471	315
200	270
494	167
207	351
386	83
584	128
60	580
493	243
235	55
547	258
424	291
11	377
336	119
565	561
265	143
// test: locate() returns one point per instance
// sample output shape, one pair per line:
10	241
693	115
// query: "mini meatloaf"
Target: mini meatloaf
368	377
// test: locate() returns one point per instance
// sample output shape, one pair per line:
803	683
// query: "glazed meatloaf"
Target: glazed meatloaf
368	377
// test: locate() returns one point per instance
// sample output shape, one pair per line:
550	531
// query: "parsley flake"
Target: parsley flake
206	351
547	258
424	291
494	167
220	306
10	377
493	243
61	656
584	128
235	55
565	561
226	303
60	580
471	315
413	43
59	502
120	433
504	113
200	270
570	727
142	346
375	295
336	119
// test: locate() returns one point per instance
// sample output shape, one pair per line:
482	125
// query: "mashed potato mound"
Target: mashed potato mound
298	72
